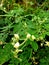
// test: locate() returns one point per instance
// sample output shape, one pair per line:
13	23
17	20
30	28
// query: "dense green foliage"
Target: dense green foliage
24	32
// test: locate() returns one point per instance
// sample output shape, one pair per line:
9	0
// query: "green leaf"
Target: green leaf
43	61
35	46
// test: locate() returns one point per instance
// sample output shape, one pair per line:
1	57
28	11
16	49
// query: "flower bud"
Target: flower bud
1	5
16	36
1	42
38	18
45	18
41	38
41	44
28	35
33	37
13	39
12	43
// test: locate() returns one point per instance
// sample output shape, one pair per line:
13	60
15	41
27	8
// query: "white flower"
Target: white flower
47	43
16	36
16	45
28	35
33	37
